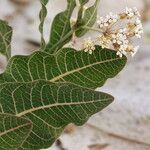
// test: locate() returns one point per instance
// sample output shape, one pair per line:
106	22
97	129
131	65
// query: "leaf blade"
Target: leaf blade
42	16
9	125
61	31
69	65
82	2
5	39
26	91
50	107
88	20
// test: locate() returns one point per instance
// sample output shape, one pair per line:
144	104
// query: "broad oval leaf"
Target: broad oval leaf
69	65
50	107
5	38
13	131
61	31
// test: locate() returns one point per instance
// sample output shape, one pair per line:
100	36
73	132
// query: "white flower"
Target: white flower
120	37
103	41
134	51
89	46
119	53
122	50
117	38
129	12
138	28
136	12
112	18
108	20
132	12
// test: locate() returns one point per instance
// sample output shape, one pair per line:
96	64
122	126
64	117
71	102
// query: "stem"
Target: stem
93	29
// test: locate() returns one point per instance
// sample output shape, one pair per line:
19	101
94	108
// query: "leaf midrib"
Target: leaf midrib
79	69
58	104
61	76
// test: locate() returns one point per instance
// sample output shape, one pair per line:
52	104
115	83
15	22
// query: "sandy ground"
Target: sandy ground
124	125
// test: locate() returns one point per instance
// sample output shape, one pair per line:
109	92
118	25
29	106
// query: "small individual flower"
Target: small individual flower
103	41
138	28
119	37
134	51
129	12
108	20
89	46
119	53
113	18
132	12
136	12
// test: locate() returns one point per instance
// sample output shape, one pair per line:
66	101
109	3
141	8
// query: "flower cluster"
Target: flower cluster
89	46
111	35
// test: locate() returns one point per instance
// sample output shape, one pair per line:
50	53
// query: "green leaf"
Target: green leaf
88	20
69	65
49	106
83	2
80	12
61	31
42	16
42	88
5	39
13	131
